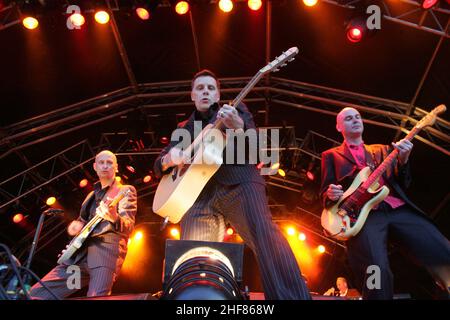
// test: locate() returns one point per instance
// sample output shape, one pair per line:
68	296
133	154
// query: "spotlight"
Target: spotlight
321	249
275	166
147	178
260	165
138	236
230	231
83	183
30	23
175	233
226	5
290	231
310	3
142	13
77	19
18	217
164	140
203	272
356	29
281	172
254	5
182	7
301	236
118	179
428	4
131	168
102	17
50	201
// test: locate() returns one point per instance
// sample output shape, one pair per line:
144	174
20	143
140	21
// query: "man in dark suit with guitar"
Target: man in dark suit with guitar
100	258
397	215
236	193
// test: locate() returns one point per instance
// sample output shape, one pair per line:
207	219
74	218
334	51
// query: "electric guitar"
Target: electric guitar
178	190
346	218
81	237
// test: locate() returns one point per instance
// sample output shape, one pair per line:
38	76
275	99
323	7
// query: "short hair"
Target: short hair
205	73
341	278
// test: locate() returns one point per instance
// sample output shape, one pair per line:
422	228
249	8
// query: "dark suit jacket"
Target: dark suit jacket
228	174
107	245
339	167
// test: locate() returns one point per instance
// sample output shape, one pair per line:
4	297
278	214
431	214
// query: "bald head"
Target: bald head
349	123
105	165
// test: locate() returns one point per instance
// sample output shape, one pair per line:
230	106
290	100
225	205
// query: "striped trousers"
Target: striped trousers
245	206
100	281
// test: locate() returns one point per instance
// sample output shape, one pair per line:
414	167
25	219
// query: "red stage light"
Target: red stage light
18	218
427	4
142	13
147	179
226	5
131	169
83	183
310	175
164	140
230	231
354	34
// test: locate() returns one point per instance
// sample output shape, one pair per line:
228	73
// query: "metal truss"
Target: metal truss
410	13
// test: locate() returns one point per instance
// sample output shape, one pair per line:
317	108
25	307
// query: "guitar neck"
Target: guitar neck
388	161
241	95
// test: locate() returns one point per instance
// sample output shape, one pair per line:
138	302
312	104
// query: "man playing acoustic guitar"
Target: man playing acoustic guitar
397	215
100	258
237	193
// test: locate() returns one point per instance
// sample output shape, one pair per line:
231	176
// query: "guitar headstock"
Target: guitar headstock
430	118
280	61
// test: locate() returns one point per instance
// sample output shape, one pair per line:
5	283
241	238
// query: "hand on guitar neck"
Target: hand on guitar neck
404	148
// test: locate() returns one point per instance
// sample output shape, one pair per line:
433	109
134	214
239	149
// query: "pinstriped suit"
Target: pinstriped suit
101	256
236	193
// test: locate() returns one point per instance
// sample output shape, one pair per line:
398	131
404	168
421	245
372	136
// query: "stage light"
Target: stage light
226	5
202	273
182	7
254	5
102	17
138	236
77	19
310	175
50	201
131	169
164	140
310	3
118	179
354	34
142	13
321	249
83	183
290	231
147	179
260	165
428	4
230	231
281	172
30	23
175	233
275	166
301	236
18	218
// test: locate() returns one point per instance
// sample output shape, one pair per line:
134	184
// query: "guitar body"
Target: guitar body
78	241
346	218
178	190
81	237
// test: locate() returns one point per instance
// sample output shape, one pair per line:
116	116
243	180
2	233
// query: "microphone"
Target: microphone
53	211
